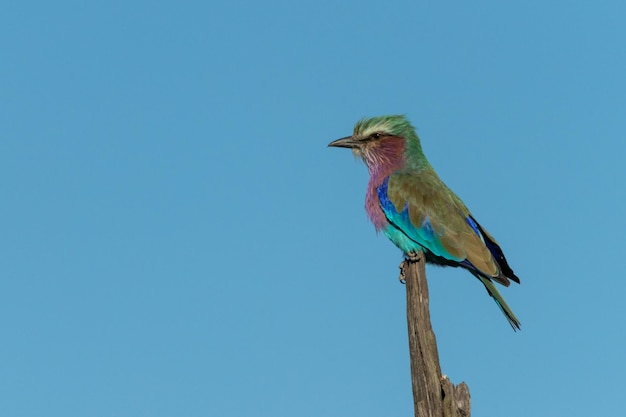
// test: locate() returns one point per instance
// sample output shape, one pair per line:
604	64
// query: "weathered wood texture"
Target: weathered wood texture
433	394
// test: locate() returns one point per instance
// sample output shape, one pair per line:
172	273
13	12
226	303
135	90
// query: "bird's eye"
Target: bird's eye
376	135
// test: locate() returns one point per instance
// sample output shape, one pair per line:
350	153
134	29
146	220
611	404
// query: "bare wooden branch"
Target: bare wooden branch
433	394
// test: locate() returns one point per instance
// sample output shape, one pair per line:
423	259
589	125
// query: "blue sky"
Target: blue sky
178	240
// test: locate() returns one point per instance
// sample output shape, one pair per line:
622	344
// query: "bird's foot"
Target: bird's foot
409	258
402	276
413	256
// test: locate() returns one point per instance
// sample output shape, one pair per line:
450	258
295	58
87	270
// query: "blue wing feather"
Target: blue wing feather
404	233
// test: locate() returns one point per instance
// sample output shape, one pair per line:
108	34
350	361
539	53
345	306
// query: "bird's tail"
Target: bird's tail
493	292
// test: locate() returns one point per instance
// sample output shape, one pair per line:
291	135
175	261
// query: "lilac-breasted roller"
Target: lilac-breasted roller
407	201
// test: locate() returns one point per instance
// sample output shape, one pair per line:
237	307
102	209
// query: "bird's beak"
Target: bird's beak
347	142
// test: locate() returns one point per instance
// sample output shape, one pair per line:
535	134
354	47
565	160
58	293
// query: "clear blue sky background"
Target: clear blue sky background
177	240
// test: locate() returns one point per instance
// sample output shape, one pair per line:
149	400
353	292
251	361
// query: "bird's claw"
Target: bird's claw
413	256
409	258
402	276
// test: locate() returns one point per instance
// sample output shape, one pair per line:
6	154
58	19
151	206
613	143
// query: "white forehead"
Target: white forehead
381	127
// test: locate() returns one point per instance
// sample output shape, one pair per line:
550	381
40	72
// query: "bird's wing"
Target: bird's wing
429	213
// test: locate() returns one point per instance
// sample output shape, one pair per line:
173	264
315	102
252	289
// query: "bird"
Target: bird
415	209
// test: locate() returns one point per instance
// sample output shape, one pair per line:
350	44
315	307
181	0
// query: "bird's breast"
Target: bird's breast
373	209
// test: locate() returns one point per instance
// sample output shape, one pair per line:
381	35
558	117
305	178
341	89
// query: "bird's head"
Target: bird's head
381	141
